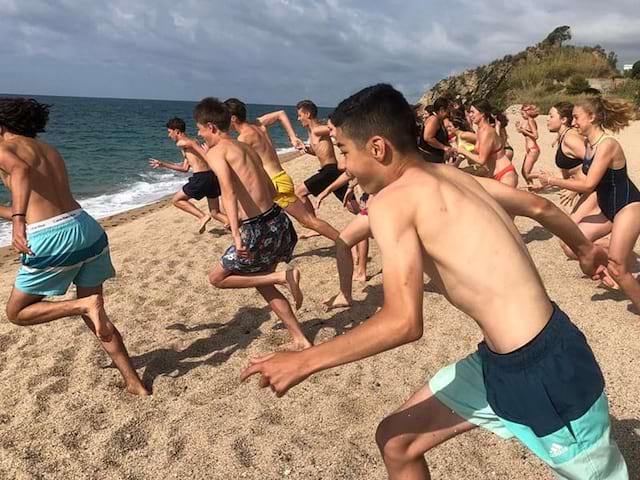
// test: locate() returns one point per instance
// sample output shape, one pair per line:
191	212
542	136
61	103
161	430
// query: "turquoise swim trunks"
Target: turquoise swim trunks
549	394
68	248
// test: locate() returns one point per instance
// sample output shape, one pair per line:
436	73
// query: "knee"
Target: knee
394	445
300	192
12	315
215	279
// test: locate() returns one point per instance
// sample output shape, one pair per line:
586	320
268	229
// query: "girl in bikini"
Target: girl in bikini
489	147
605	170
501	127
569	158
529	113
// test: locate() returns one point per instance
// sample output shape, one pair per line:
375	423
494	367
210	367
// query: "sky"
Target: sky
280	51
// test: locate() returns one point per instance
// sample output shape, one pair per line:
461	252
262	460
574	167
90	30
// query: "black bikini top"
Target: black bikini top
563	161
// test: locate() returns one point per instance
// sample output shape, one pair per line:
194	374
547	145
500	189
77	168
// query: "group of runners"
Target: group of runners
421	214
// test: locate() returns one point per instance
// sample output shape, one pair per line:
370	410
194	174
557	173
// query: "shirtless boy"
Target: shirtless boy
321	146
558	409
59	242
203	183
257	137
262	233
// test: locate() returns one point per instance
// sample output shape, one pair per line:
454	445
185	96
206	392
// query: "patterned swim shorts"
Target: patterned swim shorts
270	239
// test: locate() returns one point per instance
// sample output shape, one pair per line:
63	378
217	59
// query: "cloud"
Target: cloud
279	51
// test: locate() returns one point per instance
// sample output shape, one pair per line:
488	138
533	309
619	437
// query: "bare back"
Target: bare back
240	172
260	141
492	142
468	246
50	191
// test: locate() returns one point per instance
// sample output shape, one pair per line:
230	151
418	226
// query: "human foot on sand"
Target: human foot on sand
292	277
337	301
137	389
95	311
309	234
203	223
297	345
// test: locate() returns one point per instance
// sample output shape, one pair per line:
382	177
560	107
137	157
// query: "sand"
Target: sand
63	413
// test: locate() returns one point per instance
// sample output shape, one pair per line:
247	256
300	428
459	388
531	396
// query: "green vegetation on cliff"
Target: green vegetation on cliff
545	74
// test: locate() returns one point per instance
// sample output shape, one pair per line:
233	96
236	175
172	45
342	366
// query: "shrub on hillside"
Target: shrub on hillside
577	84
635	70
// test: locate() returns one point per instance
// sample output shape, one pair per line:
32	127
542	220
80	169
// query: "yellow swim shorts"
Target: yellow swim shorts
285	195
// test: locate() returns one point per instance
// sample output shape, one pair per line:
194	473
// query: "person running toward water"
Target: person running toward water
569	158
59	242
529	130
321	146
258	138
489	147
605	170
263	235
203	183
533	377
433	140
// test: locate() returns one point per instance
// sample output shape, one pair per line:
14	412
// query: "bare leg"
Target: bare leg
363	253
282	309
214	211
626	229
25	310
115	347
221	278
307	219
594	227
355	232
421	424
530	160
181	200
303	194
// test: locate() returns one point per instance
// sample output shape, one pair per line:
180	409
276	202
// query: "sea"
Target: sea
107	142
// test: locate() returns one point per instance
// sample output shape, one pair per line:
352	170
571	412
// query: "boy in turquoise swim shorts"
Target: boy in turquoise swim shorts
59	243
533	377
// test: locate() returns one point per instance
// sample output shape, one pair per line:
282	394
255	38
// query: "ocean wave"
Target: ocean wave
136	195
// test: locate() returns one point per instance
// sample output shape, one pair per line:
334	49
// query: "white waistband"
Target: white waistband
57	220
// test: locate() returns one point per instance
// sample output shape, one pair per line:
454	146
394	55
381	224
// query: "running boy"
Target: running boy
59	242
262	233
558	409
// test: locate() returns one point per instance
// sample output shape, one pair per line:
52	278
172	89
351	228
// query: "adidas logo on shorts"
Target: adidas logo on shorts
557	450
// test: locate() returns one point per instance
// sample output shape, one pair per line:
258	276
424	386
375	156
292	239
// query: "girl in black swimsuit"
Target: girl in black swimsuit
434	140
569	156
605	167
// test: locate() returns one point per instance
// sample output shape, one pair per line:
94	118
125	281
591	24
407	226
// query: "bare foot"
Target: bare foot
337	301
292	278
298	345
203	223
138	390
360	277
309	234
97	315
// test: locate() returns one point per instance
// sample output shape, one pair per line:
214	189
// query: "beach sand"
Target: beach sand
64	415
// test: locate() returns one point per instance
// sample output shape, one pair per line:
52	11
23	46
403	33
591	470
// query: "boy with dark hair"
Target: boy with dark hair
257	137
262	233
203	183
533	377
59	242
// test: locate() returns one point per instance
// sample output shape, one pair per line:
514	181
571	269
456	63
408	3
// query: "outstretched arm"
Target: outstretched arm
18	171
178	167
398	322
546	213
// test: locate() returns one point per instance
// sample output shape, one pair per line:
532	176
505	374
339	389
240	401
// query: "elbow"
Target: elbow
412	329
540	207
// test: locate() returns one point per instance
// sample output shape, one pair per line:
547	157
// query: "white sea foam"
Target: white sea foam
137	195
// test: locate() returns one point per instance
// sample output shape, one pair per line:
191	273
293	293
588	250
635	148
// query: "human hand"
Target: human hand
153	163
297	144
278	371
241	250
568	198
19	236
593	263
324	194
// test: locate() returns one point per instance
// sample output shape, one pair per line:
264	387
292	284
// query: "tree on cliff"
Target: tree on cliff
559	35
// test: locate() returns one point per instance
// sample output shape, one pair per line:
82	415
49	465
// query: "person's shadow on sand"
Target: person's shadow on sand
214	350
346	318
537	234
627	435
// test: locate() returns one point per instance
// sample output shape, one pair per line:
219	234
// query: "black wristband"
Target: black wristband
19	215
